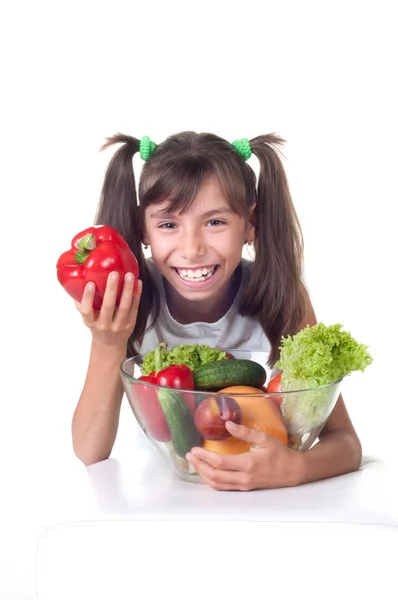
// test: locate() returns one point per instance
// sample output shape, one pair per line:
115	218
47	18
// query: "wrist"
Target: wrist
299	468
107	353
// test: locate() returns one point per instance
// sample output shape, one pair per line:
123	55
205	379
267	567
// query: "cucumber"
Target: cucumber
179	418
224	373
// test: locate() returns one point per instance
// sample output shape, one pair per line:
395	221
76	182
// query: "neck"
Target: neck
190	311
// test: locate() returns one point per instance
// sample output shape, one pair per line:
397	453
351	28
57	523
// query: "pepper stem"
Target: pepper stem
86	244
159	357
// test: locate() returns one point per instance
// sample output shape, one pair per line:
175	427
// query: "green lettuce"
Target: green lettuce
314	357
191	355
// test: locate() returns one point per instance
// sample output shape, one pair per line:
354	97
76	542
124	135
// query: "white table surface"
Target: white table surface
141	487
134	486
110	526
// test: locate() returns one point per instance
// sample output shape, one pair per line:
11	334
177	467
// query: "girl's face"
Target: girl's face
198	251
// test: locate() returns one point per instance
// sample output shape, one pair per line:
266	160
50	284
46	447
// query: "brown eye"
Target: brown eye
167	226
215	222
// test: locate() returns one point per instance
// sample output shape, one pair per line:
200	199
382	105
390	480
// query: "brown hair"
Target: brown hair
175	171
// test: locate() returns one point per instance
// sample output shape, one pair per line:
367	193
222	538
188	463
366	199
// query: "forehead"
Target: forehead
210	196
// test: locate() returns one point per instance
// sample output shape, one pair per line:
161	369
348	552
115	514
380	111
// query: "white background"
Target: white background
320	74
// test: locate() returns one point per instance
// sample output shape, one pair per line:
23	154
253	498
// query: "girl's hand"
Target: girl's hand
269	464
112	325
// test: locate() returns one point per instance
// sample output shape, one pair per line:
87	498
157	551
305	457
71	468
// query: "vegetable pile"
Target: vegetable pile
174	416
300	399
190	355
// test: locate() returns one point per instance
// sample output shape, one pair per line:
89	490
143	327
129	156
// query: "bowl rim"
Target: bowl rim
209	392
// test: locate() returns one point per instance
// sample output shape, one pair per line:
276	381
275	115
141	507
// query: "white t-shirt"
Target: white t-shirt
232	332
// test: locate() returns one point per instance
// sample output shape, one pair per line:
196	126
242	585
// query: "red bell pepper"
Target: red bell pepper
94	253
176	376
145	400
145	397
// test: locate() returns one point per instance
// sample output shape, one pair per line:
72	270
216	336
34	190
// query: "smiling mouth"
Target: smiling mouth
196	275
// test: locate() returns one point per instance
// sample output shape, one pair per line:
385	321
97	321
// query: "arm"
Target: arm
271	464
96	418
339	449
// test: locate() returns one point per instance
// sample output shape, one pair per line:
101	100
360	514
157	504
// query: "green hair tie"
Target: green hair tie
243	147
146	147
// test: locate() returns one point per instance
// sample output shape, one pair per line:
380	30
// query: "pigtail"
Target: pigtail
119	208
275	292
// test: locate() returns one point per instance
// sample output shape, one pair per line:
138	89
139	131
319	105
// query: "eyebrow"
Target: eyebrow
215	211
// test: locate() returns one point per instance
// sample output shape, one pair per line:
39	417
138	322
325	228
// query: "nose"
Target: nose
192	245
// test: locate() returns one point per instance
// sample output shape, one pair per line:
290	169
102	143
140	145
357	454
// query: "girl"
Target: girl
199	204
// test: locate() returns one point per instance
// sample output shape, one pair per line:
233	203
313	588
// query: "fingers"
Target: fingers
109	299
226	462
86	305
253	437
126	298
210	467
109	312
218	485
136	300
126	312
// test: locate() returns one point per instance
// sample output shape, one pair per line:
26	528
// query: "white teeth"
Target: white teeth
197	275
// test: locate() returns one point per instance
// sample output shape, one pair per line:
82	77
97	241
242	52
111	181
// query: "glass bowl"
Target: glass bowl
295	417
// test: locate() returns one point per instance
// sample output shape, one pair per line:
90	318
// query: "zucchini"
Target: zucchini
179	418
225	373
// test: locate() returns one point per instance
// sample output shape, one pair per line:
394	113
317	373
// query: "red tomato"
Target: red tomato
275	386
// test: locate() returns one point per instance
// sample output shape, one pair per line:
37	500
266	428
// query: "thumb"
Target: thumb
242	432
